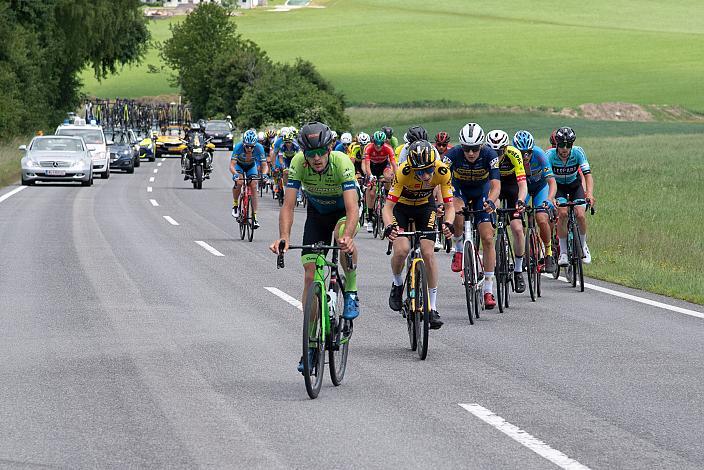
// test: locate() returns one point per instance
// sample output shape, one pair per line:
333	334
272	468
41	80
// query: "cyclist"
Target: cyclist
356	153
379	162
345	142
566	161
247	157
442	142
541	188
335	140
514	190
409	199
332	212
284	151
477	183
390	138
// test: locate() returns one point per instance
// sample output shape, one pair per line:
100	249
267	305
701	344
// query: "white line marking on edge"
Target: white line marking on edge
156	170
283	295
170	220
149	189
523	438
635	298
163	159
12	193
209	248
151	179
154	203
158	164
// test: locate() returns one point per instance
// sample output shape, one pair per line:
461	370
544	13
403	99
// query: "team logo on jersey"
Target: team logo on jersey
406	170
442	170
494	163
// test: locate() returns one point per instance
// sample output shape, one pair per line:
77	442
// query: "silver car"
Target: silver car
57	158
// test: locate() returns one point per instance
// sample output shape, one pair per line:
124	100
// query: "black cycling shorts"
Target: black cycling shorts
320	227
423	216
377	169
509	194
570	191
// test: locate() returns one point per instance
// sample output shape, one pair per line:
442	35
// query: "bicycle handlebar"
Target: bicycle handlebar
578	202
417	233
320	246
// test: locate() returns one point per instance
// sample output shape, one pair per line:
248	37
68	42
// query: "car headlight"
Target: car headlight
229	136
126	152
78	164
33	164
98	156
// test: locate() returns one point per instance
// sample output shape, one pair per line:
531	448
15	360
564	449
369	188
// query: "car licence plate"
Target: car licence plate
55	173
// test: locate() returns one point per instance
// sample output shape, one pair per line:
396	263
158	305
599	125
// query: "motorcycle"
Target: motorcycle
197	160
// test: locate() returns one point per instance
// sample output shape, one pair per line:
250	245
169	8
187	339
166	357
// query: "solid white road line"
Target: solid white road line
635	298
151	179
209	248
163	159
154	203
523	438
158	164
12	193
149	189
156	170
170	220
283	295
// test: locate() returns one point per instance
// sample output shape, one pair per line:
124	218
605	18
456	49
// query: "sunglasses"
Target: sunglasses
471	148
249	147
564	145
426	171
437	144
315	153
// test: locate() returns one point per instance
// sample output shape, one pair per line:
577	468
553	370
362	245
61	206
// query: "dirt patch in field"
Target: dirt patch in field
615	112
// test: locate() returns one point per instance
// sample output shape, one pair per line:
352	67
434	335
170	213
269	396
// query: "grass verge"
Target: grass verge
10	161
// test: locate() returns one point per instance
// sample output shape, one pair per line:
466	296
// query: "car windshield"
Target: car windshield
118	138
90	136
217	127
57	144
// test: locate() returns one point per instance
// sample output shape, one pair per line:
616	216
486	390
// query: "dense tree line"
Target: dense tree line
47	43
219	72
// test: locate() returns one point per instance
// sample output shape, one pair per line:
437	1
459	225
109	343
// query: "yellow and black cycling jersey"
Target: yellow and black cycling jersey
356	152
511	164
408	189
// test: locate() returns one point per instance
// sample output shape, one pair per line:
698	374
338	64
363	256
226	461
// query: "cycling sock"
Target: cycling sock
369	213
548	249
397	279
351	281
563	245
488	281
518	264
433	291
583	236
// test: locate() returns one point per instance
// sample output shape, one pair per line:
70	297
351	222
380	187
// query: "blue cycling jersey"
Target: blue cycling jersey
568	172
538	170
341	148
476	174
258	155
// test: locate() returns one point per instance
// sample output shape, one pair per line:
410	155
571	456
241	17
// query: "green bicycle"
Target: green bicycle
324	328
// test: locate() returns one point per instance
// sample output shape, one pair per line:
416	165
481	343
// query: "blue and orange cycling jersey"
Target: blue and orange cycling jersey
258	156
567	172
538	170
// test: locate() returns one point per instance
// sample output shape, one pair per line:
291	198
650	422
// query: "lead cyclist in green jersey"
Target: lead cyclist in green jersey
329	182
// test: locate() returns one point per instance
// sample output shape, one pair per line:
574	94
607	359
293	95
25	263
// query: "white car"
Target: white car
94	138
56	158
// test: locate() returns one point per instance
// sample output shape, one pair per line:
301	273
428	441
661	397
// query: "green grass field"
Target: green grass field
10	158
510	52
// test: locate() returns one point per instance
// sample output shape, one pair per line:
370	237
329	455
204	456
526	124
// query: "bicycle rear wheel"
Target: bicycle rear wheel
421	312
556	255
338	339
313	340
468	280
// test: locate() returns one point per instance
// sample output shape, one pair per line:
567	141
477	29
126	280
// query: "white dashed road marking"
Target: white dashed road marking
12	193
170	220
154	203
209	248
283	295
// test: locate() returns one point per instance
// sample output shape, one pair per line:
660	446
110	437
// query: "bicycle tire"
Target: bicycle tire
468	280
242	220
313	335
410	318
250	219
422	309
501	270
338	339
580	273
578	265
532	264
556	256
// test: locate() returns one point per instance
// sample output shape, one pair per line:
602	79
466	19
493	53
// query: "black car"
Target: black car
122	155
220	133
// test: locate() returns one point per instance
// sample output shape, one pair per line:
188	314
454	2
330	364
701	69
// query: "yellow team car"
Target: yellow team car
170	143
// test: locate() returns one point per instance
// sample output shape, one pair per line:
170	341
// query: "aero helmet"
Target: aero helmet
421	154
497	139
472	134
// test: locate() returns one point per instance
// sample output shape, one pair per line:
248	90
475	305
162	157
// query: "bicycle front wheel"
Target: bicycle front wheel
532	264
421	312
468	280
313	341
242	220
501	271
338	339
250	219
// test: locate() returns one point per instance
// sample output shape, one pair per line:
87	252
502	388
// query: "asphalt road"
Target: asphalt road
123	343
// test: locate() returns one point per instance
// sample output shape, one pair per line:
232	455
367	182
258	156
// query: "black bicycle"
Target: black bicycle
575	269
504	258
472	267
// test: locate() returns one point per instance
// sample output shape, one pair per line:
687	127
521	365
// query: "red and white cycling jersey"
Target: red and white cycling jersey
385	154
